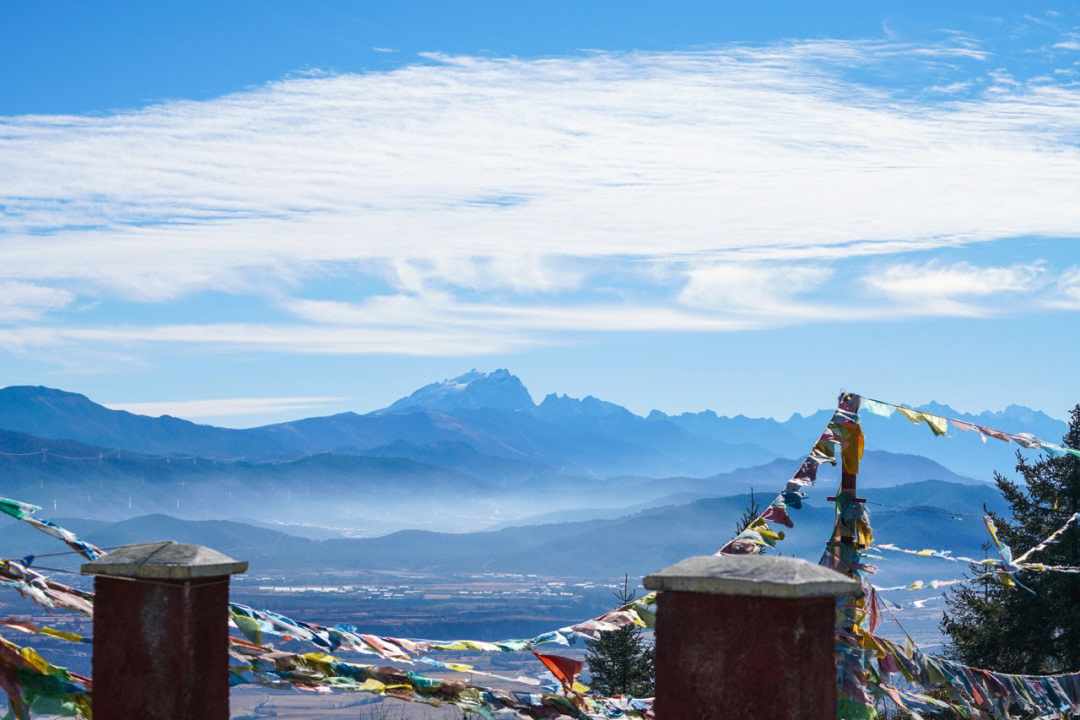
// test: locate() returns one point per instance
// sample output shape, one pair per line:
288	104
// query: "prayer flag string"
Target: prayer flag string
939	426
24	511
759	535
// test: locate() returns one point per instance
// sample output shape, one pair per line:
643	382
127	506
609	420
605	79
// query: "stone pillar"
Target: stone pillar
741	636
161	632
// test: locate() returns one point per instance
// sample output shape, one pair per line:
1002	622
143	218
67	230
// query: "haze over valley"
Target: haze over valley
465	454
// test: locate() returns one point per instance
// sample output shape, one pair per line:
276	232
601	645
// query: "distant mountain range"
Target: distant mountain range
453	420
470	453
487	423
441	488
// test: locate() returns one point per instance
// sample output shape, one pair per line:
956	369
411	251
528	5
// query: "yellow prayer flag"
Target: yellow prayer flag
61	634
372	685
320	657
39	663
870	642
458	667
937	424
769	534
913	415
864	536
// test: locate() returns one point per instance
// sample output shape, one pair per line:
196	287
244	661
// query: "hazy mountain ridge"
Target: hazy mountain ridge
371	494
919	489
636	543
59	415
584	444
493	415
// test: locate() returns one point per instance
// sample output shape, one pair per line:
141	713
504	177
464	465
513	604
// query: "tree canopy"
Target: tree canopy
1010	629
621	661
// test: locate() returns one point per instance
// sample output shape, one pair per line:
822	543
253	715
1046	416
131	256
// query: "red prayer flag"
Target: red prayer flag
563	668
874	612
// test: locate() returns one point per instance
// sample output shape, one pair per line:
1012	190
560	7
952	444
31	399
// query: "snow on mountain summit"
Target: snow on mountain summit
473	390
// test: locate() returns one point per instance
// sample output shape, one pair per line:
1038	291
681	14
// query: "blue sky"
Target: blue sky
243	212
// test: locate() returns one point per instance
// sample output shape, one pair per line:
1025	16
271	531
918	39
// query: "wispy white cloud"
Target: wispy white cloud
959	289
951	88
416	313
226	407
932	279
486	192
750	288
27	301
277	337
749	148
1066	292
718	299
520	272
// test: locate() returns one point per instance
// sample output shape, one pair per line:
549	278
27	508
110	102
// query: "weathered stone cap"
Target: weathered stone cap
751	575
165	560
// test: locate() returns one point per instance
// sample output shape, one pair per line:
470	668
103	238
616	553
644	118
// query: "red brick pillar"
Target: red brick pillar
746	636
161	632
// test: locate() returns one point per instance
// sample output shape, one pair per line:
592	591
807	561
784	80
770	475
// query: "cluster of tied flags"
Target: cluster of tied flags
321	672
869	666
973	692
843	438
255	624
39	589
34	685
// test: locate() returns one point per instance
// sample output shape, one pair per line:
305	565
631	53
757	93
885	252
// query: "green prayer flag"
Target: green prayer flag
17	509
849	709
1053	450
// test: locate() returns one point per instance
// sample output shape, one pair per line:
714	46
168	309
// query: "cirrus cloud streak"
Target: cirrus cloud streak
504	201
225	407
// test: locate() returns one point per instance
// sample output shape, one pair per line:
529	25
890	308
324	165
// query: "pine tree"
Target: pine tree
750	514
620	661
1010	629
